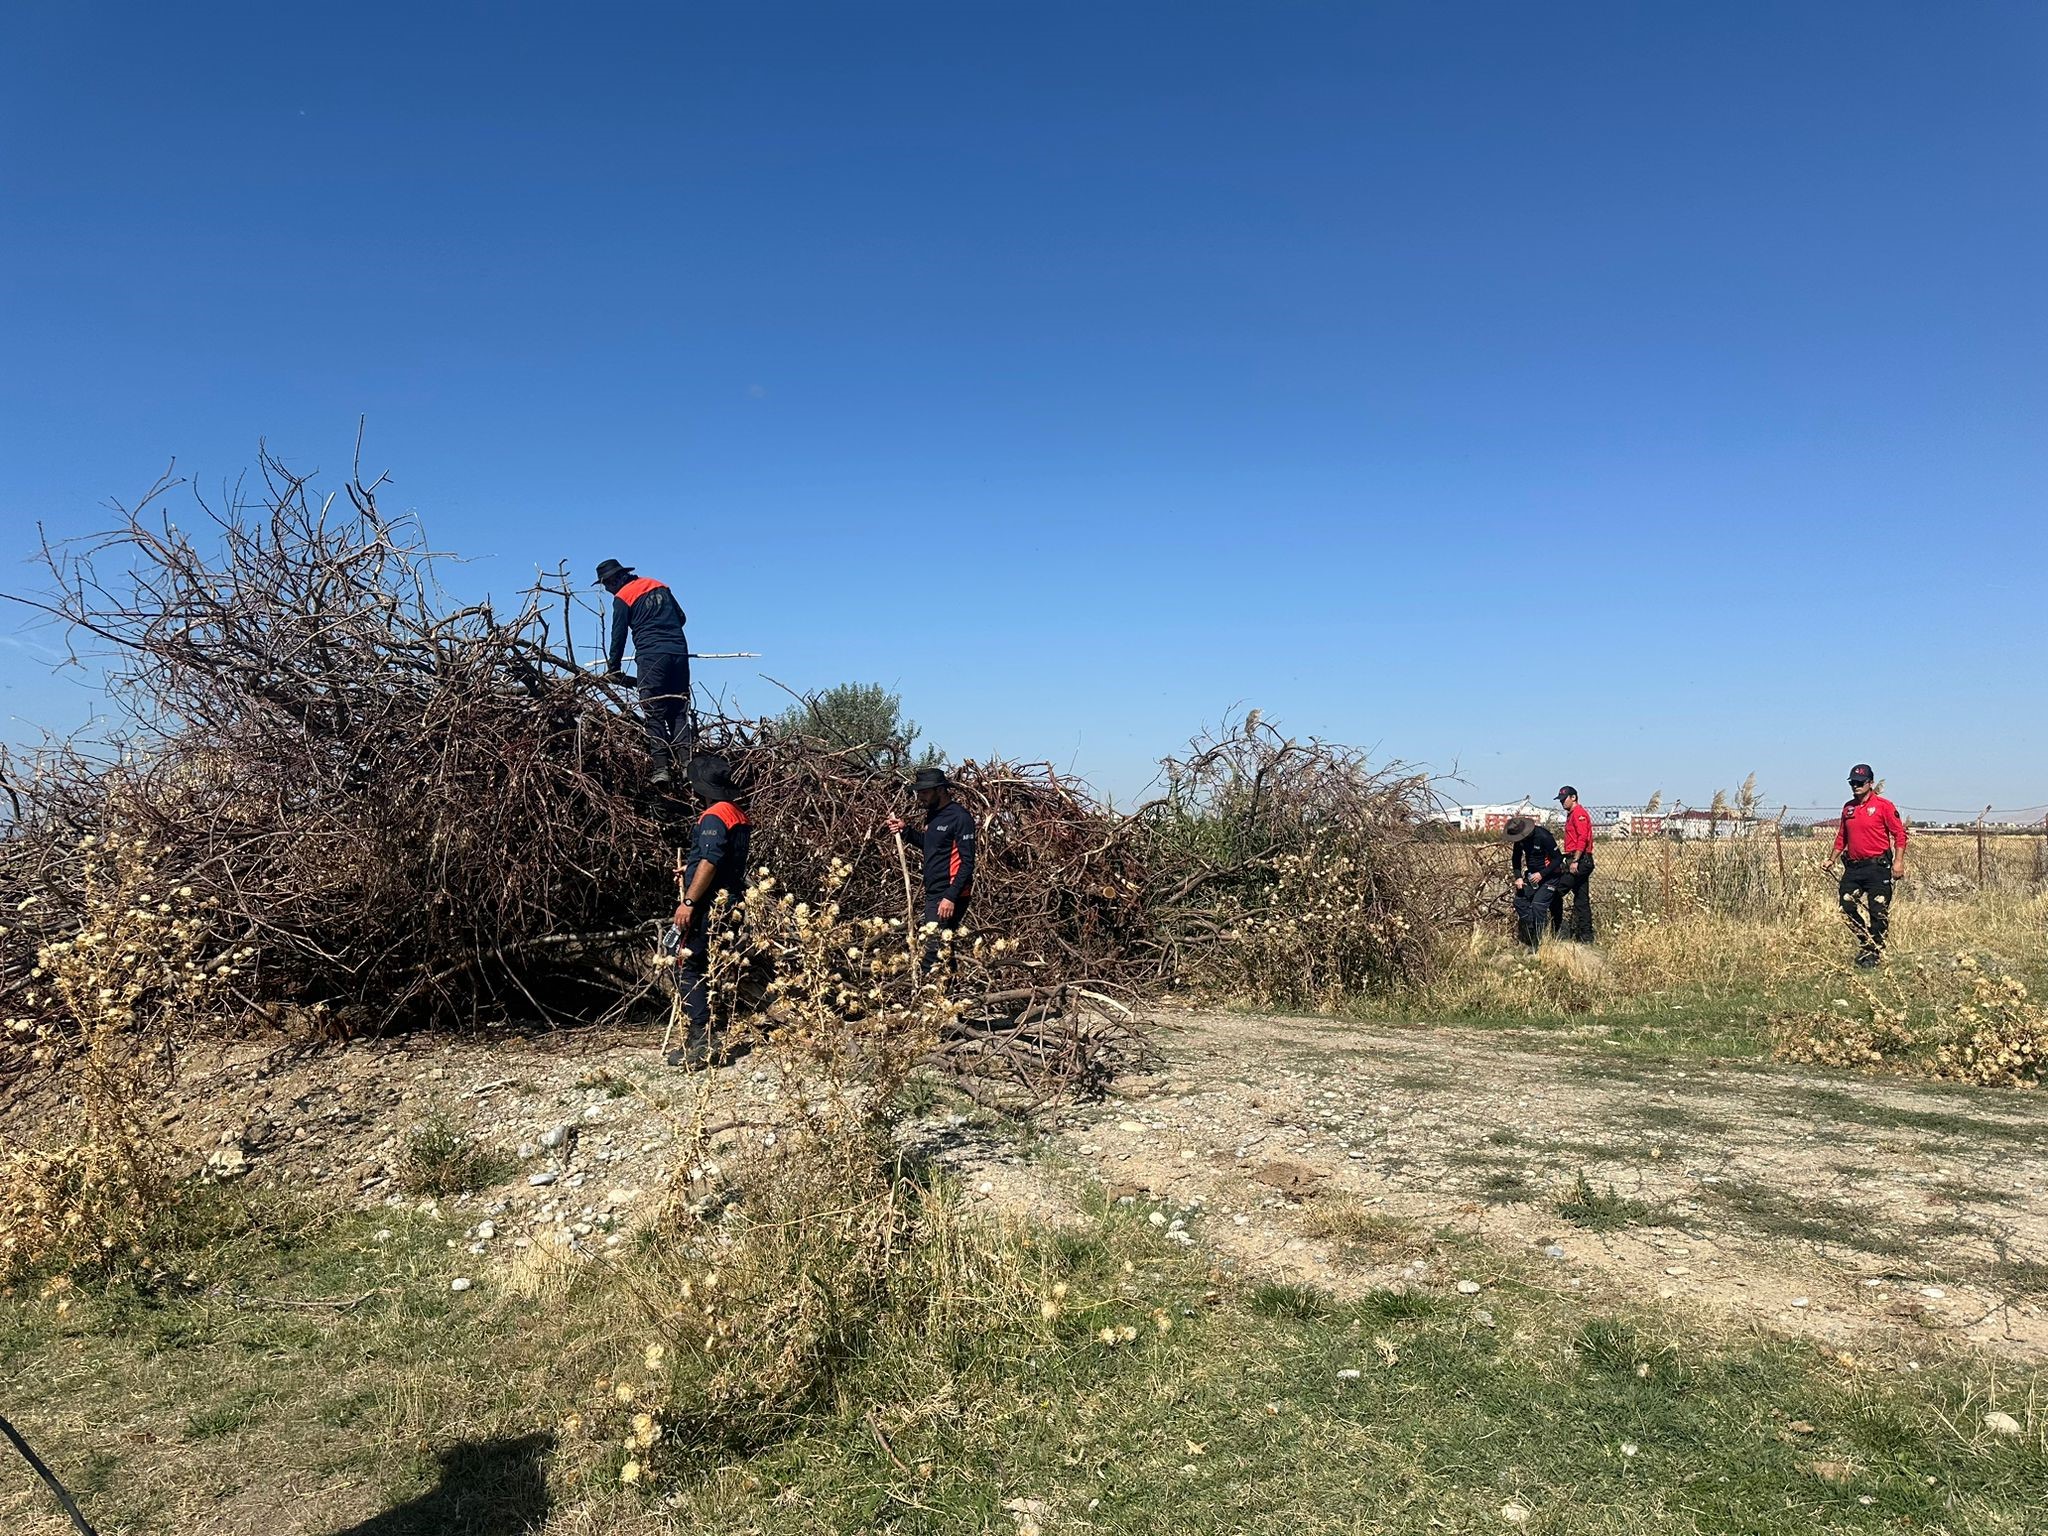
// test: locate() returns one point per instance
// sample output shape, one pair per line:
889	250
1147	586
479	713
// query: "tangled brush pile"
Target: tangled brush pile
396	809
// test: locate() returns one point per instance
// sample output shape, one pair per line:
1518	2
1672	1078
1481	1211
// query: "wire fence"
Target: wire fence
1664	865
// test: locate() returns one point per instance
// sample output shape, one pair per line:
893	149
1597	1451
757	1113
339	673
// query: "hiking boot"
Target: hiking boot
1868	962
663	777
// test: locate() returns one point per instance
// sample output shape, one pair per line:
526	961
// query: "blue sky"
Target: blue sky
1639	395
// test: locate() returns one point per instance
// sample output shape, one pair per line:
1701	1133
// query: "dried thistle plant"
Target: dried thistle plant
103	1011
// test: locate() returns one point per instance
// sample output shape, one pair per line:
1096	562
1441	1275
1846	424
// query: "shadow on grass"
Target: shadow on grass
487	1488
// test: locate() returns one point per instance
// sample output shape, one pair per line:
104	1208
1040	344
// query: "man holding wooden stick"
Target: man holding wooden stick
717	866
947	843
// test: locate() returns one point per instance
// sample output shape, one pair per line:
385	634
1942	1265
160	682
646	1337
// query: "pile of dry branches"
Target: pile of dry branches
393	809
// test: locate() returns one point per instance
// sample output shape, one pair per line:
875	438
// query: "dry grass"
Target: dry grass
1788	964
107	1003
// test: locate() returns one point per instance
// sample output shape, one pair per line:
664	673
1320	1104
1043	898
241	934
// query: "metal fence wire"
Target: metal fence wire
1664	866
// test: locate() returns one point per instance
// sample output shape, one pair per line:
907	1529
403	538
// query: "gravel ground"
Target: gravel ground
1344	1155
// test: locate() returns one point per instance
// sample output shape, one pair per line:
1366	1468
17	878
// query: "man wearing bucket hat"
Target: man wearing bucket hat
717	866
1871	843
648	611
1577	871
1535	862
947	843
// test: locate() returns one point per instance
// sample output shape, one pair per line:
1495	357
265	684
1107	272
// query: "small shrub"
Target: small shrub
105	1008
441	1161
1599	1210
792	1260
1959	1016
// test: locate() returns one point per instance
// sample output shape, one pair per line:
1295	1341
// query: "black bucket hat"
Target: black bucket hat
711	778
930	778
1518	827
607	569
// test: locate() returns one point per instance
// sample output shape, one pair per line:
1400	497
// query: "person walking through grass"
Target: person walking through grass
1577	871
1871	843
1536	863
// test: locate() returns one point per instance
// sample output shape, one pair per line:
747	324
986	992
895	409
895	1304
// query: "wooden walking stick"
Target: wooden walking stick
675	987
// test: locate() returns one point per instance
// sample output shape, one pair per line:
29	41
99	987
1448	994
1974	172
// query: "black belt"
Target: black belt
1881	858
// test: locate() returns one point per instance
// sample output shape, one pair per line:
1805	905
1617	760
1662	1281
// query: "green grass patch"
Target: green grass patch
1260	1408
442	1161
1599	1210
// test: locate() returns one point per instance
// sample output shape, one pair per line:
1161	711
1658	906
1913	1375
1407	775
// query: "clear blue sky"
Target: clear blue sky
1632	394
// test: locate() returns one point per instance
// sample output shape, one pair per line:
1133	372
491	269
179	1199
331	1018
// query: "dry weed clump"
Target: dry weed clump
1294	872
1961	1016
794	1238
103	1009
1316	934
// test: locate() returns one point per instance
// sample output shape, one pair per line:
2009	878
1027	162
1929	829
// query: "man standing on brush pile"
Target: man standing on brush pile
1871	843
1535	862
647	610
1577	871
947	843
717	866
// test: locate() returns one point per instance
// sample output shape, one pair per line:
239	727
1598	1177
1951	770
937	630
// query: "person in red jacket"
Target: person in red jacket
1578	869
1871	843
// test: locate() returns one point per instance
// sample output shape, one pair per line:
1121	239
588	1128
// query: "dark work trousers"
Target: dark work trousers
1868	882
1580	928
690	981
665	705
932	945
692	973
1532	910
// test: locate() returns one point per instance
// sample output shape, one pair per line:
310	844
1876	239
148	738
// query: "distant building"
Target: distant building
1493	818
1698	825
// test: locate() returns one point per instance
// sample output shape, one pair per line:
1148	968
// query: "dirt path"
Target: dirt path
1815	1204
1337	1154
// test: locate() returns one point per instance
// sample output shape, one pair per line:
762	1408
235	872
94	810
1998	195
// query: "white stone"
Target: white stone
1468	1287
2002	1424
460	1283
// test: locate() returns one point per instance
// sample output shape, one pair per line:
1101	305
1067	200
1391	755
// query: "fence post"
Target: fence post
1980	848
1667	871
1778	838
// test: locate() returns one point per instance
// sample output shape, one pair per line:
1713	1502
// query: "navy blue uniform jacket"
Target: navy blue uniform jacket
723	833
948	846
649	611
